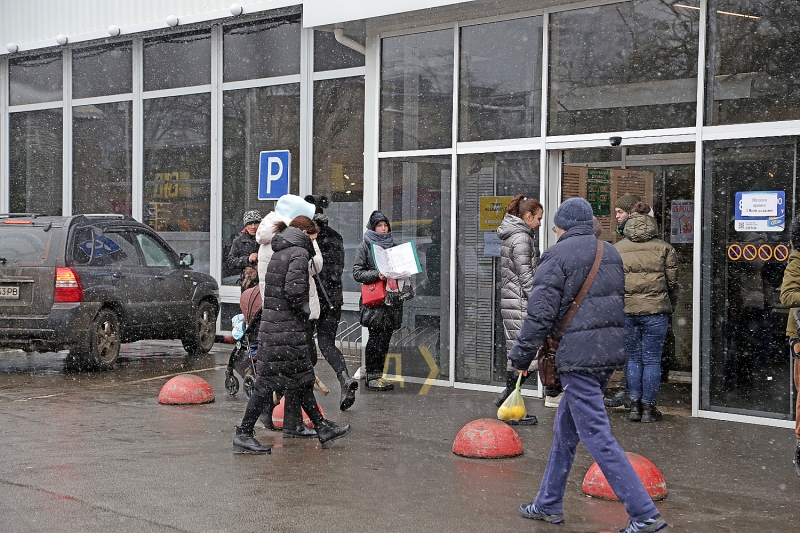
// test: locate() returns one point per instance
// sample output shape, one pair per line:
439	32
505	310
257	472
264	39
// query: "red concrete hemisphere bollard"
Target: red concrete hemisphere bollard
277	415
487	438
595	483
186	389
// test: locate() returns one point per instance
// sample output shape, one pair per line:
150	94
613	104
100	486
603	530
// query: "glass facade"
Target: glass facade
330	54
177	61
35	79
263	49
36	162
102	70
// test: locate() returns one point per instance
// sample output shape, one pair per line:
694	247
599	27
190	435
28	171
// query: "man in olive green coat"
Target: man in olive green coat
790	297
651	285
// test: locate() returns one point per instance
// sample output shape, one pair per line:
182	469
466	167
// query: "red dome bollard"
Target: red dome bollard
487	438
277	415
186	389
595	483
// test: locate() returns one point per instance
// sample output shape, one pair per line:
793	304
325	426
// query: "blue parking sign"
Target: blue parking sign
273	174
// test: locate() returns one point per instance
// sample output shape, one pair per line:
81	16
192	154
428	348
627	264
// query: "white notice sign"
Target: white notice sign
759	204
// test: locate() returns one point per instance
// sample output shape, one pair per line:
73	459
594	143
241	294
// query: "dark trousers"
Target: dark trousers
377	348
327	325
259	400
581	417
297	399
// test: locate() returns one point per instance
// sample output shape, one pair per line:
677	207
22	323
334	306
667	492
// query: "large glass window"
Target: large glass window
486	184
266	118
177	171
36	161
177	61
745	362
415	196
330	54
35	79
339	160
500	88
262	49
101	158
100	71
754	75
417	91
624	66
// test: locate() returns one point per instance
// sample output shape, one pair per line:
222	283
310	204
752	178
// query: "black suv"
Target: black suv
87	283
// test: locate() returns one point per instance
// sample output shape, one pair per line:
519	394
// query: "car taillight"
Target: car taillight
68	286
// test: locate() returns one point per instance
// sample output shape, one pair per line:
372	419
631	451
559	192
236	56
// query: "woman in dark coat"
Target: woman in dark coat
284	340
381	321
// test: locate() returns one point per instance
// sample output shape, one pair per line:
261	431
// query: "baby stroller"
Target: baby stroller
245	350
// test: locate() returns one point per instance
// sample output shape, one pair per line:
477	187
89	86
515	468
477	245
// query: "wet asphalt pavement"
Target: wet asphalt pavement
96	453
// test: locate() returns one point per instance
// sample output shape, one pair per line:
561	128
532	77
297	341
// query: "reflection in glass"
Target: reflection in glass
266	118
35	79
177	61
417	91
744	366
624	66
101	71
752	59
480	340
501	80
36	162
177	170
339	160
330	54
263	49
101	158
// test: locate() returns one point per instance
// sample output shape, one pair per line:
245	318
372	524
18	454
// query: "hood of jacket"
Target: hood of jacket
511	225
640	228
375	218
289	237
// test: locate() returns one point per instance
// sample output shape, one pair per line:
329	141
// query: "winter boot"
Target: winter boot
300	431
636	411
511	384
650	413
621	398
349	388
266	416
375	382
797	458
329	432
245	442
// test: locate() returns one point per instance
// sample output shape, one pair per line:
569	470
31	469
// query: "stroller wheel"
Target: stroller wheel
231	384
249	385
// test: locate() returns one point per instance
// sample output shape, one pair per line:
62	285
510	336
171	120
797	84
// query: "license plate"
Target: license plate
8	292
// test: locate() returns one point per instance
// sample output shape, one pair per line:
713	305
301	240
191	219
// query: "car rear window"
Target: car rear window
24	244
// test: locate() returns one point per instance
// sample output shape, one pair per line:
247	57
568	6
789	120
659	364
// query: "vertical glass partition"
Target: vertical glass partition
36	161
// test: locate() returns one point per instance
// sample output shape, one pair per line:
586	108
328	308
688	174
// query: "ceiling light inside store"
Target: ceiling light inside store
61	39
114	30
12	48
172	21
721	12
236	10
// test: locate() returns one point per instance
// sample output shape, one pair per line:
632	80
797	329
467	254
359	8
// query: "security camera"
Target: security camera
615	141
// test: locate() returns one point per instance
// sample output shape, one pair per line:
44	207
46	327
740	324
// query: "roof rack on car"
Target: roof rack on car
21	215
104	215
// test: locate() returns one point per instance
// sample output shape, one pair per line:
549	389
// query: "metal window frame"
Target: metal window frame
5	162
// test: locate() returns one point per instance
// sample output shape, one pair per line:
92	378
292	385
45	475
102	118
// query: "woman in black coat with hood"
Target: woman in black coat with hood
284	340
381	321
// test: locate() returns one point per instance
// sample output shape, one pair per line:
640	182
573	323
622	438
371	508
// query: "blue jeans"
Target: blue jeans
644	339
582	417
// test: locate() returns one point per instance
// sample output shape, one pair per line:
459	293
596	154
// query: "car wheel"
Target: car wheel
104	340
203	330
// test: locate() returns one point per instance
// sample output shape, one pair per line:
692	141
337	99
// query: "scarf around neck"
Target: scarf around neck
384	240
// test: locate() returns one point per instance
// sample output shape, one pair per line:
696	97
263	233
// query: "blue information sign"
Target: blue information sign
273	174
760	211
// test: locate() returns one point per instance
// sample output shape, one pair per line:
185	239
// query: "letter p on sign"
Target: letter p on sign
273	174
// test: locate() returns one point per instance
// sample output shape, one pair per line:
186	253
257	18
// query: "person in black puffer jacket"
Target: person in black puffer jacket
329	290
383	320
284	340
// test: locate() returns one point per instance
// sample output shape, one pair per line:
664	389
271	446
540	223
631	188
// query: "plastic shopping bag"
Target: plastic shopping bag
237	326
514	406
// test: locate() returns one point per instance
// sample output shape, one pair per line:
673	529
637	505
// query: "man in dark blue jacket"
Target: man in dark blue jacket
593	346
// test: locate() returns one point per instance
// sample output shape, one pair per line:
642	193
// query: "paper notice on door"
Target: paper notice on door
400	261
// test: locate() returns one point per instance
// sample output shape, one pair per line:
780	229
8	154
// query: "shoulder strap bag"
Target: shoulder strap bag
546	355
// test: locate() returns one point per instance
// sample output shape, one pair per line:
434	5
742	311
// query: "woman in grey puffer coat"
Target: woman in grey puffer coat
519	257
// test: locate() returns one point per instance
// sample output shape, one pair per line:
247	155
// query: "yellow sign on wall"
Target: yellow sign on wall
493	209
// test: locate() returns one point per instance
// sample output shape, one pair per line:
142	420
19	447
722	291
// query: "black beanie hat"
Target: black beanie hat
376	217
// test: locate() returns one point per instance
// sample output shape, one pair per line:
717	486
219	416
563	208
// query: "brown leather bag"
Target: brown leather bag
546	355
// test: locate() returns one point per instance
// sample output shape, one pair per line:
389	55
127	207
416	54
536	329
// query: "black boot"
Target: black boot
245	442
349	388
329	432
300	431
650	413
797	458
636	411
511	384
375	382
622	397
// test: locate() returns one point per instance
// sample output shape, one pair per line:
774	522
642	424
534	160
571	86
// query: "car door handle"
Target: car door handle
159	277
117	275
